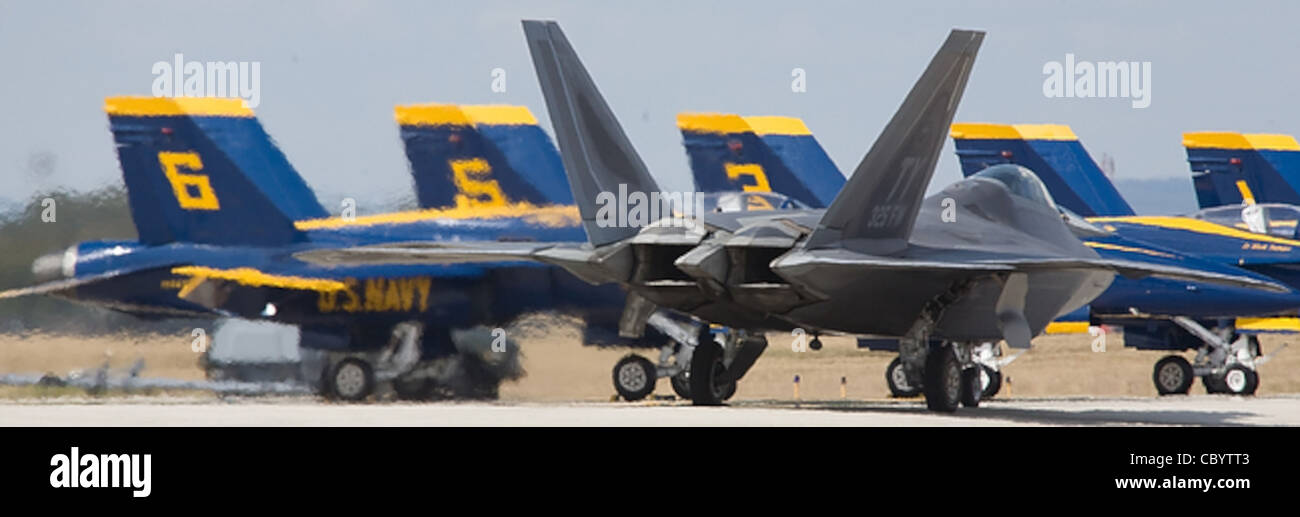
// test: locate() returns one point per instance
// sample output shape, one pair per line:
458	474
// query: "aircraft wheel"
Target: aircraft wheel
706	367
634	377
1214	384
1239	380
1173	376
896	377
351	379
682	384
943	380
972	387
815	344
991	380
413	389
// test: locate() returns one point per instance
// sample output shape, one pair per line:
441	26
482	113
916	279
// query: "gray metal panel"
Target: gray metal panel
597	154
877	208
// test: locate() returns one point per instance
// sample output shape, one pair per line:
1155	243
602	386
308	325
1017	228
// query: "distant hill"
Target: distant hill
1166	196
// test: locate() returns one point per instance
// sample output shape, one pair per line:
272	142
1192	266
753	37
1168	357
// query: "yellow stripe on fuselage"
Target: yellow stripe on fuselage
1116	247
1195	226
1269	324
176	106
554	216
1067	327
254	278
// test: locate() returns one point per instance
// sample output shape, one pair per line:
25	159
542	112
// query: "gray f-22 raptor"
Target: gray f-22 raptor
989	258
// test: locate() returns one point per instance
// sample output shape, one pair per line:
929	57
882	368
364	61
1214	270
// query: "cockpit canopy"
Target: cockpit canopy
749	202
1019	181
1273	219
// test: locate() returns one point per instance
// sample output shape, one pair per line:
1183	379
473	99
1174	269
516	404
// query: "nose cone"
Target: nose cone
55	266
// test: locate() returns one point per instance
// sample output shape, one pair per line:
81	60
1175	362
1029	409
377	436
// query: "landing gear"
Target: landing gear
1239	380
1173	376
351	379
896	377
991	381
971	387
634	377
682	384
815	344
944	380
708	385
1224	366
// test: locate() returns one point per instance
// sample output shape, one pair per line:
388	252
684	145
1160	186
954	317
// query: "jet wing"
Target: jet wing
577	258
1003	264
57	285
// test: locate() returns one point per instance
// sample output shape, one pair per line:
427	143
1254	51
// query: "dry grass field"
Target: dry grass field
559	370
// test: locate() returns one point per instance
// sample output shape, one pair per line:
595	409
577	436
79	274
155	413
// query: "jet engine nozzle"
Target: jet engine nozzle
55	266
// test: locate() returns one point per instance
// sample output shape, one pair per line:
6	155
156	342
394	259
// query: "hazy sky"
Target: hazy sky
332	71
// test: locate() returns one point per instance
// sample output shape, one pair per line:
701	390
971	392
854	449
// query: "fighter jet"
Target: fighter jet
988	258
1150	309
1218	322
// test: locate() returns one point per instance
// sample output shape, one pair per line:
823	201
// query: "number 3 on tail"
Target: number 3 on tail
201	197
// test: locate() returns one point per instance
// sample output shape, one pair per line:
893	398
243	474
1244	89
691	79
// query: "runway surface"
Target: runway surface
1196	410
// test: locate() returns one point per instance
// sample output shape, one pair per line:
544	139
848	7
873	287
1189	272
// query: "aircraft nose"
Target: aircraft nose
55	266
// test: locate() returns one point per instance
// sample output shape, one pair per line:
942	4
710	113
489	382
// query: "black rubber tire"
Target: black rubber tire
994	385
414	389
1173	376
972	389
1213	384
815	344
943	380
343	378
634	377
706	365
896	378
1239	380
681	384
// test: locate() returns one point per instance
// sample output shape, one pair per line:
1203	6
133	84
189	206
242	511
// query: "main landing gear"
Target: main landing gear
1223	366
987	356
950	377
702	366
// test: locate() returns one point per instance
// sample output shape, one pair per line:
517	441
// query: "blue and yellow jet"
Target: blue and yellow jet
1219	324
220	212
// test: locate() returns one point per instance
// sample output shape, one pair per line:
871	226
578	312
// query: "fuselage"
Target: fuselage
269	283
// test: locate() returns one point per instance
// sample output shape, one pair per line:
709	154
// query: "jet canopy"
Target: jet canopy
750	201
1273	219
1019	181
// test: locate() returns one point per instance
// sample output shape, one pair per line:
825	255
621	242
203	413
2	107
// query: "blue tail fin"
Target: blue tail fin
203	170
729	153
1230	168
467	156
1053	152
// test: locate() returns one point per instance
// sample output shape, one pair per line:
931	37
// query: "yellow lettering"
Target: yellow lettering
374	294
473	178
205	198
354	302
424	284
754	171
393	298
408	293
